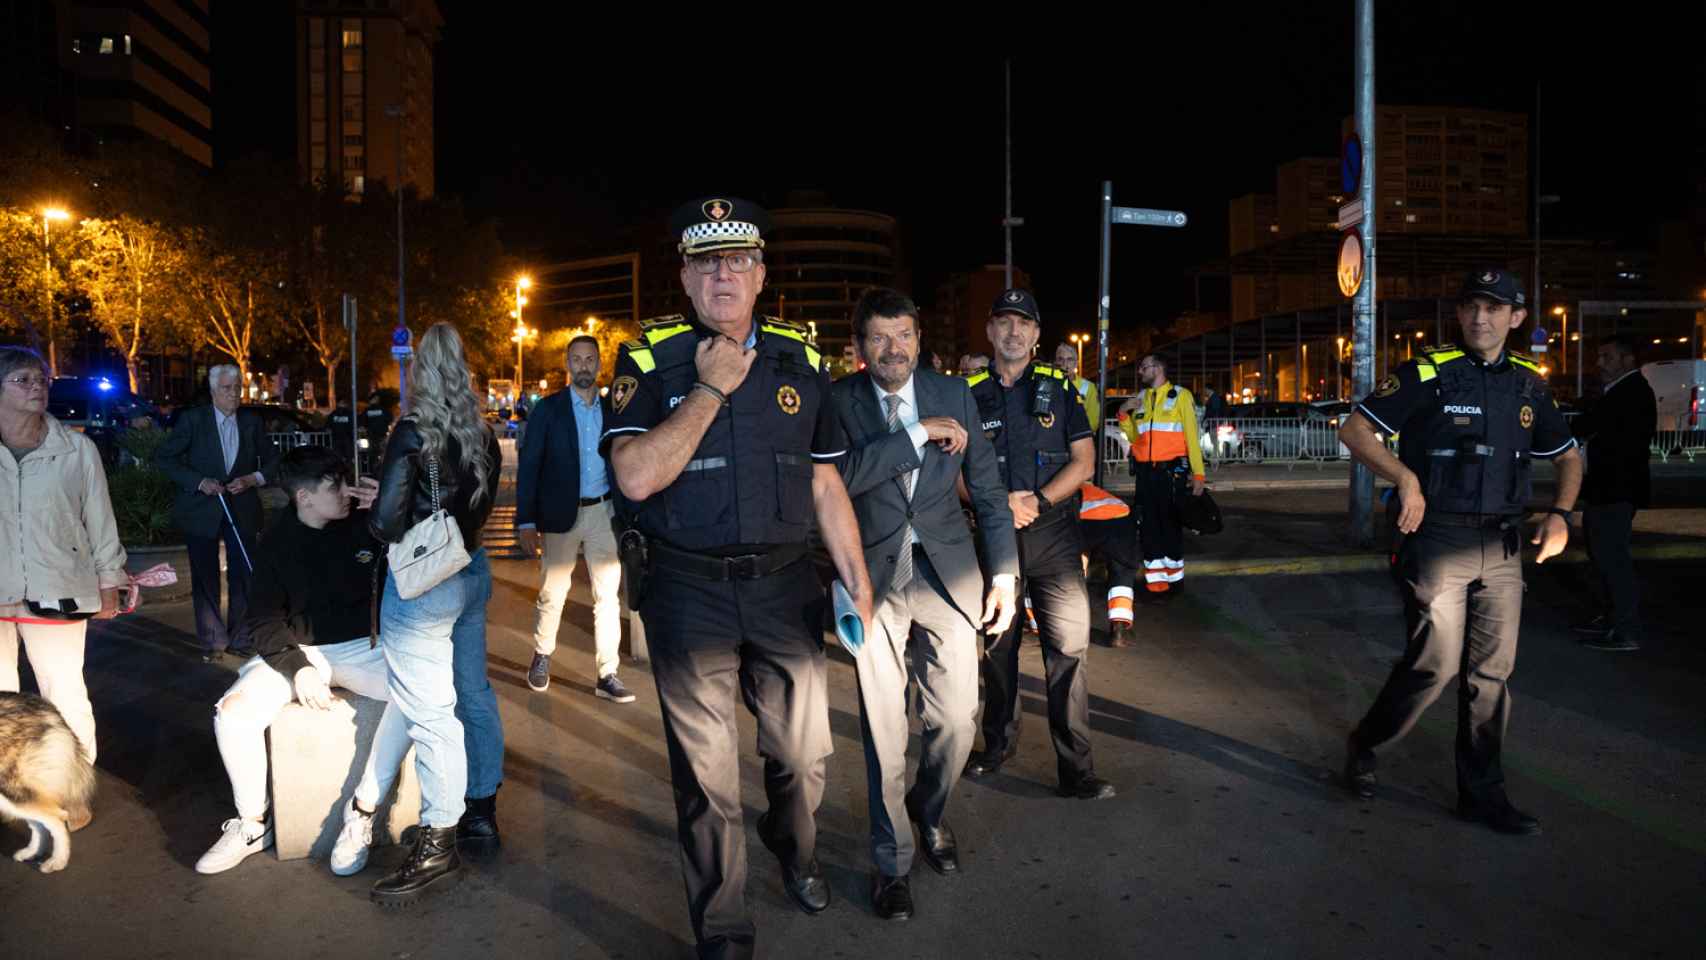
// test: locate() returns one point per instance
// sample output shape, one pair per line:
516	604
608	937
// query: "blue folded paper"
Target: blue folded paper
849	629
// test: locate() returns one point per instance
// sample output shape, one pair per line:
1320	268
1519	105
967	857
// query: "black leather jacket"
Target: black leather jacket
405	487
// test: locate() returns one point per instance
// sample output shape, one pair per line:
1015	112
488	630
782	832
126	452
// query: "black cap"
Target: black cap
718	223
1496	284
1017	301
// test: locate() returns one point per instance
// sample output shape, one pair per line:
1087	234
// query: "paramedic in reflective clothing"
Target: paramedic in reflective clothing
1044	452
723	437
1470	421
1166	452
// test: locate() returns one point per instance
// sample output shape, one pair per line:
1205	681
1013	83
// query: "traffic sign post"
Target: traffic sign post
1539	340
1143	217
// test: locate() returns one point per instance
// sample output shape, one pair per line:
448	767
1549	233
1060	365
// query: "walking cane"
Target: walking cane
238	532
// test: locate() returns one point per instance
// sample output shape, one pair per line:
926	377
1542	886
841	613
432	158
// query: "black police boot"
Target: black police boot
479	824
433	862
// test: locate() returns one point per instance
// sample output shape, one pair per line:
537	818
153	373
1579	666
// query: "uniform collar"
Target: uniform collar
701	329
1501	363
1610	386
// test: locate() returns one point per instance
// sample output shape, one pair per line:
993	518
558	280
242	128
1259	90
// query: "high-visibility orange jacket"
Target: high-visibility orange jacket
1164	427
1099	504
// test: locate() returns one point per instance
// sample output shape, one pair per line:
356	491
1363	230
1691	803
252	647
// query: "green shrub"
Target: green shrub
142	504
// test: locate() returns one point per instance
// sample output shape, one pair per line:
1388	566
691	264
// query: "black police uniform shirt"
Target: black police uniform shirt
1030	449
1470	429
749	482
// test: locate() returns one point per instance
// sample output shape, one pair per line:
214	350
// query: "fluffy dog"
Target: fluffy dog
45	780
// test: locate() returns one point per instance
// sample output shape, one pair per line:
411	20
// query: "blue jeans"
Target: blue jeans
435	649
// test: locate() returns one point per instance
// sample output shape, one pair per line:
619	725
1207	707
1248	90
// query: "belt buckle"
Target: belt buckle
743	567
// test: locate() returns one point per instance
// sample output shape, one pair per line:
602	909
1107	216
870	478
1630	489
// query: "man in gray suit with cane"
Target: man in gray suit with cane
216	455
914	434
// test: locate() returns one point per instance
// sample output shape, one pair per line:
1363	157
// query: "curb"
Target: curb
1378	563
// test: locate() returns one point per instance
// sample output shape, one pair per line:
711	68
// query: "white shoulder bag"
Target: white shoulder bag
431	552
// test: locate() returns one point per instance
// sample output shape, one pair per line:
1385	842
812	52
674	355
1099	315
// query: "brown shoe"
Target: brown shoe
1122	635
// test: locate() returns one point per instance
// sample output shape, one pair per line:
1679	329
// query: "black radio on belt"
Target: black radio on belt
1042	401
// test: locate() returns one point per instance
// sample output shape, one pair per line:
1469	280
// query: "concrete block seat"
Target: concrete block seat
317	759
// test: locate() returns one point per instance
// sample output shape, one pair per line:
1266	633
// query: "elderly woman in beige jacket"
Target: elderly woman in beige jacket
59	547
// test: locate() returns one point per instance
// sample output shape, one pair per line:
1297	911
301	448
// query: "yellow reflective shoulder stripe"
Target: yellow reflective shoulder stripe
1442	357
788	332
814	358
660	334
643	359
977	378
1425	371
1522	361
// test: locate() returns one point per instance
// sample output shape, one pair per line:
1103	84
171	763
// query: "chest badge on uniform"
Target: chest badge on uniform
621	392
1387	387
1525	416
788	399
364	556
1046	420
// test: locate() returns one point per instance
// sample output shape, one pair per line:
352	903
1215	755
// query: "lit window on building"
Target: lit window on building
127	44
358	184
352	35
106	45
76	46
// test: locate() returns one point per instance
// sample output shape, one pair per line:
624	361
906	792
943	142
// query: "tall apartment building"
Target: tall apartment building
101	71
364	100
1450	170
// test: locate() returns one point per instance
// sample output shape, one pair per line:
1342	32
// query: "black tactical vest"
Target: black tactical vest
750	480
1470	445
1030	448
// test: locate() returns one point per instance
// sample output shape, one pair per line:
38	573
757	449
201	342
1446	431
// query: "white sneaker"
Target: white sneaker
238	840
349	856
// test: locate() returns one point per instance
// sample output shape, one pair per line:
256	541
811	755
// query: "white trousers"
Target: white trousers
56	656
593	531
250	706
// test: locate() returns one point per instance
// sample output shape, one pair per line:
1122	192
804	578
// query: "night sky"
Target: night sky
566	130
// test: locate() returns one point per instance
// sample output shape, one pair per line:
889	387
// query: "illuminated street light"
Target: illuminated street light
1079	340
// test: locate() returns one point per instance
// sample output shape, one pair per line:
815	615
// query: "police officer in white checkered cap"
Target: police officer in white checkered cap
722	437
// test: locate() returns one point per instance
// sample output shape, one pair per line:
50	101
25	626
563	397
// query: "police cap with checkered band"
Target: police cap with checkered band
719	223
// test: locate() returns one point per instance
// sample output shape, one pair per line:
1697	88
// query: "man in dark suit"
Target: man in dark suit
213	453
913	434
1619	432
562	490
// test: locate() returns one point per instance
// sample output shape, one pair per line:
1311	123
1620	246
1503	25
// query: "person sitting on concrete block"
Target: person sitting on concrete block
309	617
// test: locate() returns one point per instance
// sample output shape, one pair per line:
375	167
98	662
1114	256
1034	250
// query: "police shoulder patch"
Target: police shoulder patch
788	399
1525	416
1387	387
621	392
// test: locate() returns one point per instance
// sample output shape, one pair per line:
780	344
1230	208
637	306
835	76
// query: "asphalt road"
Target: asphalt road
1229	838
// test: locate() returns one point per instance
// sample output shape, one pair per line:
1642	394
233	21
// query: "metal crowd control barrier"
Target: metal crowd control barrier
1678	443
294	439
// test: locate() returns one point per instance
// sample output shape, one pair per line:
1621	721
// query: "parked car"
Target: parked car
97	407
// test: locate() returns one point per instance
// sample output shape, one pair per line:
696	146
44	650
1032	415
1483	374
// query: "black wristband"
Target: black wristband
722	398
1560	511
1043	503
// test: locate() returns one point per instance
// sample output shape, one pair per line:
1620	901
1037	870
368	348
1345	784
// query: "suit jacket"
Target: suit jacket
192	453
873	470
548	469
1619	431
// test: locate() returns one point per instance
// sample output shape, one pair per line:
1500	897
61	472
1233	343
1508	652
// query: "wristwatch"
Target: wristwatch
1560	511
1043	504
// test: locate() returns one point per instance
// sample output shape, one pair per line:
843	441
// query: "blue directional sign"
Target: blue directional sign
1350	165
1144	216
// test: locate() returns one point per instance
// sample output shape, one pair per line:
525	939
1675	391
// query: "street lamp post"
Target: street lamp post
48	216
521	332
1563	339
1078	340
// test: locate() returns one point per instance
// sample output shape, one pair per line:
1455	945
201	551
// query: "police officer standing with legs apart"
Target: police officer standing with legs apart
723	437
1044	451
1470	422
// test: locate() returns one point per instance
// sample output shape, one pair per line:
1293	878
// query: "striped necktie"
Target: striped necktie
903	558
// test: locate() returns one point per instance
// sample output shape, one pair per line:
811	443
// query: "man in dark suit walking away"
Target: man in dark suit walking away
215	453
562	502
1619	435
913	434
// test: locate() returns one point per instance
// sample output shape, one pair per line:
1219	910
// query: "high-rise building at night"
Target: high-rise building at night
364	92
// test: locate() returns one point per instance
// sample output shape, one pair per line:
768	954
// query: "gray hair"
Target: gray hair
217	371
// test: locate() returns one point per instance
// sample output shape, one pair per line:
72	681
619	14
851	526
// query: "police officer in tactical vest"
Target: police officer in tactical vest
724	442
1470	421
1044	449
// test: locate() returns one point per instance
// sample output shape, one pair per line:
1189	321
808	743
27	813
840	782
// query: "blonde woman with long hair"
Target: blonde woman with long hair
435	644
